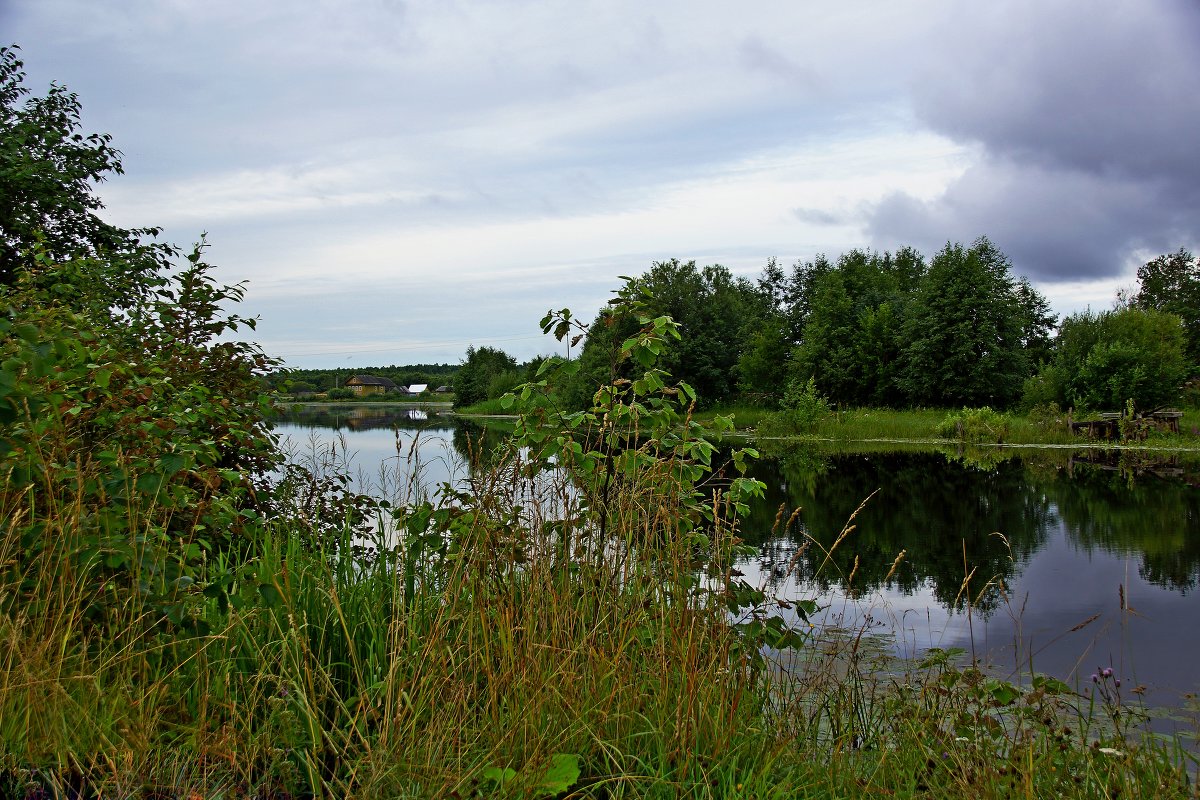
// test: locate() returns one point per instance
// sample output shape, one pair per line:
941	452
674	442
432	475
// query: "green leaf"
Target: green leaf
271	596
561	775
497	776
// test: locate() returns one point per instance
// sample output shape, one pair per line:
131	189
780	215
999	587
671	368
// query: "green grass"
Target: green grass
480	653
921	425
484	408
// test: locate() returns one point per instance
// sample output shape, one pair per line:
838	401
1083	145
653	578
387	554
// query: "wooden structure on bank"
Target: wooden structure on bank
1115	426
363	385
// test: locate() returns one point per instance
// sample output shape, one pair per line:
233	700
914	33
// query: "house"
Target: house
363	385
417	388
443	389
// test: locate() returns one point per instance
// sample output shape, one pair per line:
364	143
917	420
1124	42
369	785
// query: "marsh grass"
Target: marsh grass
472	656
566	626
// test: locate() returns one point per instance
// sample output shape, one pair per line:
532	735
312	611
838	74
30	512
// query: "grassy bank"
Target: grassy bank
491	647
922	425
494	666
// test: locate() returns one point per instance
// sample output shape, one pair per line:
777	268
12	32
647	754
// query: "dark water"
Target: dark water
1050	539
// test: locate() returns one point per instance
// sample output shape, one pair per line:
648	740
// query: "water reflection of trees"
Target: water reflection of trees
941	513
365	417
943	508
478	444
1130	503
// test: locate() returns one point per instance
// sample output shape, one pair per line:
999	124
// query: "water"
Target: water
1077	560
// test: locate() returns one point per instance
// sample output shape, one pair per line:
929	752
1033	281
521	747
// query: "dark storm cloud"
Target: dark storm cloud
1087	116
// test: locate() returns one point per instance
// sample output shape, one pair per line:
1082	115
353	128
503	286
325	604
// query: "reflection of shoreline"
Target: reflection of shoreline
372	416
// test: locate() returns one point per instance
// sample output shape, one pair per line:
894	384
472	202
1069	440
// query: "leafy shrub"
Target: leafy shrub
974	425
1047	417
803	407
502	383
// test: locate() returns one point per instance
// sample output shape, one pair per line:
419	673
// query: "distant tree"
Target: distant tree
964	333
772	285
801	289
717	313
1171	283
474	379
1102	361
1037	322
850	340
762	367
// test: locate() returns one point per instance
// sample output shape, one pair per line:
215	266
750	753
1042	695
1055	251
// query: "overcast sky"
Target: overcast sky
398	179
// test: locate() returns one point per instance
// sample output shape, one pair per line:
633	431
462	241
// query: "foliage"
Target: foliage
124	403
1103	360
47	172
156	437
473	381
761	370
851	336
637	435
804	407
714	310
966	332
975	425
1171	283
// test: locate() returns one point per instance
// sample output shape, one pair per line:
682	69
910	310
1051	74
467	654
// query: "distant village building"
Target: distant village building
442	389
417	388
363	385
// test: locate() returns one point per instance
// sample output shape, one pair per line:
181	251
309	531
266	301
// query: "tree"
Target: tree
761	369
1102	361
1037	322
124	395
474	380
1171	283
48	170
850	339
716	312
965	331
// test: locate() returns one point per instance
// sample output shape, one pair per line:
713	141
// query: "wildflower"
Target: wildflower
1110	751
1107	672
1095	678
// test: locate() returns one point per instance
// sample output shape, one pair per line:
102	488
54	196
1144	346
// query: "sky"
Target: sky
399	179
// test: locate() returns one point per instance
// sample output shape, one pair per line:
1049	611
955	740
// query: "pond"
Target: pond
1071	560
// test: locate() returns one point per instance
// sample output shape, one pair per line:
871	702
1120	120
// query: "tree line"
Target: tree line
298	381
897	330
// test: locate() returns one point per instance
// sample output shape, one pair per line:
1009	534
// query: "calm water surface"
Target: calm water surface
1076	560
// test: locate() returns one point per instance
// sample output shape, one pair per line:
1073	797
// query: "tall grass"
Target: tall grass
481	651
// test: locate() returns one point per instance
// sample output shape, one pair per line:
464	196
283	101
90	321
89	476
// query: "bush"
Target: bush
1047	417
975	425
803	409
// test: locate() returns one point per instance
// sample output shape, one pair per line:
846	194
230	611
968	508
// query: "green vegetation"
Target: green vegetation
296	381
892	331
177	625
487	373
1104	361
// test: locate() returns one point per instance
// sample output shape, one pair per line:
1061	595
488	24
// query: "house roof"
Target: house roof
371	380
417	388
